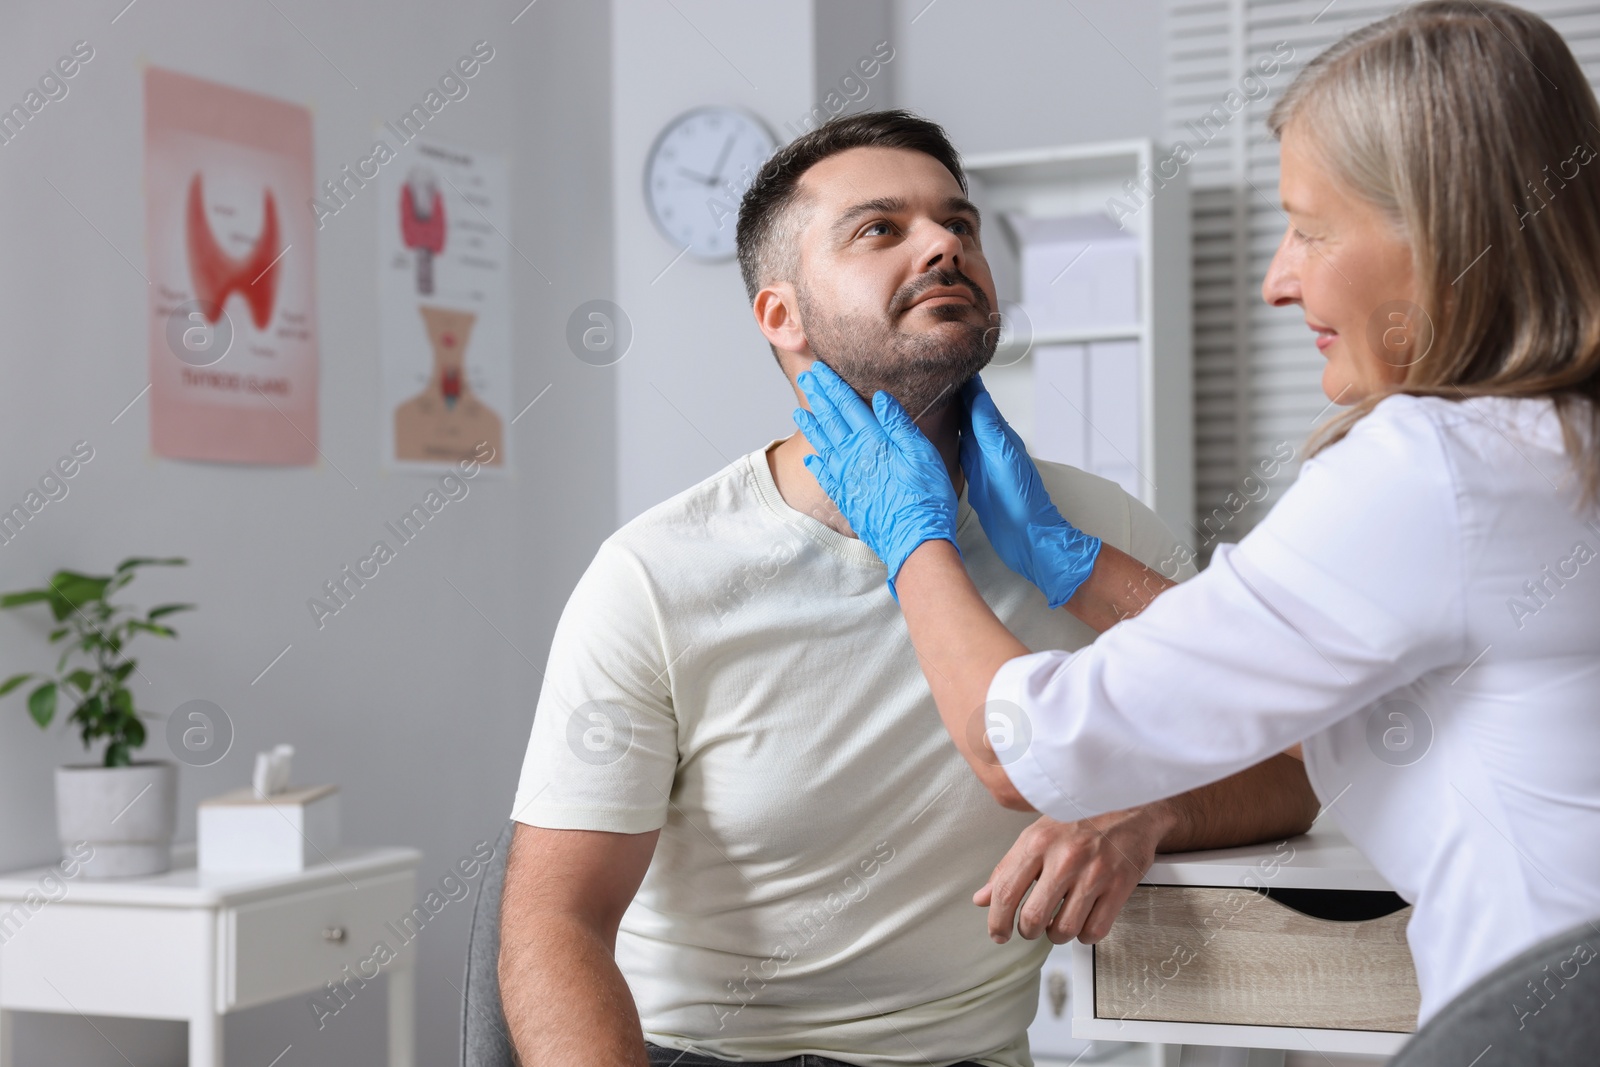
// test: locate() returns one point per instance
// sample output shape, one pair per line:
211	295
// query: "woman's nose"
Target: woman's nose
1282	284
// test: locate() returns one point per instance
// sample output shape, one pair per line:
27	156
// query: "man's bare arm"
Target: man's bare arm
564	998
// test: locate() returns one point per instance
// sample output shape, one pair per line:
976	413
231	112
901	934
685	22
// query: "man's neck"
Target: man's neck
801	491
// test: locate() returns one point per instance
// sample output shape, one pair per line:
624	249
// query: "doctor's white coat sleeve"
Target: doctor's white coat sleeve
1348	589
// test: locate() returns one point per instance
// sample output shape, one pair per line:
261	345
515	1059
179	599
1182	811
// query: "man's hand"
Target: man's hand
1087	869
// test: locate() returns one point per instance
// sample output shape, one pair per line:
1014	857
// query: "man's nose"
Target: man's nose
939	248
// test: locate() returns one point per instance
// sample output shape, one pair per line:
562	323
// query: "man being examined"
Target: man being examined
743	835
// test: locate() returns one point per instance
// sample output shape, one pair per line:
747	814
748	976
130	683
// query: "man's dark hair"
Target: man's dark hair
766	244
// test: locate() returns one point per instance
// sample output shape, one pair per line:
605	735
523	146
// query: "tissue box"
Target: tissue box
290	831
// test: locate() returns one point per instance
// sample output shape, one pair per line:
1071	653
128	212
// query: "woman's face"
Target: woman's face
1349	270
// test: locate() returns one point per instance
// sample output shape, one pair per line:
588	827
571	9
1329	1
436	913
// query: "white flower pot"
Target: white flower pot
125	814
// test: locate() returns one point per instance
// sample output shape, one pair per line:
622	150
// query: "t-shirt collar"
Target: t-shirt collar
852	548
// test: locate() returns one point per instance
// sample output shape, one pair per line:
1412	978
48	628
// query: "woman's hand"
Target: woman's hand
886	478
1022	523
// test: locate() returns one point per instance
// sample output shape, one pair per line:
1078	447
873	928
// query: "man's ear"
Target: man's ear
777	312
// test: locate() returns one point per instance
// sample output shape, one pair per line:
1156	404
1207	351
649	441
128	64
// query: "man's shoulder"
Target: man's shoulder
1094	504
693	512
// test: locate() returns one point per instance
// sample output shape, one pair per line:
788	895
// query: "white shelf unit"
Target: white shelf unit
1078	180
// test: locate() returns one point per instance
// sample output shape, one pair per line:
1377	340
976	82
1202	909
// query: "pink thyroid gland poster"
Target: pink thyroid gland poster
233	340
444	300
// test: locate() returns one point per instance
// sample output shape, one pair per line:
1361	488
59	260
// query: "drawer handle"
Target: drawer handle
334	934
1339	905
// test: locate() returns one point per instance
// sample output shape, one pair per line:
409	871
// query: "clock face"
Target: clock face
697	172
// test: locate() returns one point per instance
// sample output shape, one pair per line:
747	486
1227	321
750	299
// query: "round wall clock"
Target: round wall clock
697	171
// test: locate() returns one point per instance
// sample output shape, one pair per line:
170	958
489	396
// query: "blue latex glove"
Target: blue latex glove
1021	521
885	477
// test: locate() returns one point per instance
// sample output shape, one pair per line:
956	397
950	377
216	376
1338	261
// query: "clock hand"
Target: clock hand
685	171
721	159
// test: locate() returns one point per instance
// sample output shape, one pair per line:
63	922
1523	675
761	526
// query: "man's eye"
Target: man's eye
1302	236
877	229
961	226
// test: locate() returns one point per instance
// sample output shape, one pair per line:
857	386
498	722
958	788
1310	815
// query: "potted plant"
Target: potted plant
125	809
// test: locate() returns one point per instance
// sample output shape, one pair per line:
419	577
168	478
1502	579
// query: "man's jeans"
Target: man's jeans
671	1057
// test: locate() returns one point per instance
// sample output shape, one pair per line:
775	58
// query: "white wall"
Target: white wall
1006	74
408	699
699	385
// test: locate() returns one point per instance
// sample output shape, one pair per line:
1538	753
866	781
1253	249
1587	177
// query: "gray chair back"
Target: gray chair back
485	1040
1541	1008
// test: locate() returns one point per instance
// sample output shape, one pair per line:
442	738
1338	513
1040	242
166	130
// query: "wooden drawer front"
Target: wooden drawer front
276	948
1193	954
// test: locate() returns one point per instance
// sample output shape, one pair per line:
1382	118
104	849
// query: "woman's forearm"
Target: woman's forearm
1118	588
960	645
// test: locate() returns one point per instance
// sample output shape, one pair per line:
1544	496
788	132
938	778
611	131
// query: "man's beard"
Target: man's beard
924	373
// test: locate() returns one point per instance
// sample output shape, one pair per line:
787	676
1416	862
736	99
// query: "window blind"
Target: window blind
1257	373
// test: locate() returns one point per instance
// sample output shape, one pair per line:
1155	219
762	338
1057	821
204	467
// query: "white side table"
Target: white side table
1338	967
193	946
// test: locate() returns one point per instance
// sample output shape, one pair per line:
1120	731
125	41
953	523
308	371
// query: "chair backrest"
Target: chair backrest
485	1040
1541	1008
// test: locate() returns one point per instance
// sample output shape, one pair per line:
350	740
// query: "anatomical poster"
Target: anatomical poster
444	232
233	327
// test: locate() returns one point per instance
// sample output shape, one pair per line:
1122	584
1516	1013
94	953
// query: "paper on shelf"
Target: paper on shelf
1079	273
1088	410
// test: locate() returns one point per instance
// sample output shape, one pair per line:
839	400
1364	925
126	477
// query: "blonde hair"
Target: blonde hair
1470	125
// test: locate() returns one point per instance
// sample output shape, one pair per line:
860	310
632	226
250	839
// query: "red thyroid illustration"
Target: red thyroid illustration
422	227
216	275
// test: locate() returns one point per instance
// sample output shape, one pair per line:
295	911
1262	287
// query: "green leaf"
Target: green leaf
88	715
42	704
142	561
117	754
167	609
150	627
124	669
78	589
26	596
12	682
58	633
133	732
83	679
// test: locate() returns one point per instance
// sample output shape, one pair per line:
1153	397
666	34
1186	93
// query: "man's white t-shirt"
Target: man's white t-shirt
736	674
